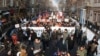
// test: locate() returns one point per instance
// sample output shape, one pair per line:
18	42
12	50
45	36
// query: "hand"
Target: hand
78	54
39	49
31	48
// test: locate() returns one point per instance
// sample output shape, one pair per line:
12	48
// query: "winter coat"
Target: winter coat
65	35
82	53
45	36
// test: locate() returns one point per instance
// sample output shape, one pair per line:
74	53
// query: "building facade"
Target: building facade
92	10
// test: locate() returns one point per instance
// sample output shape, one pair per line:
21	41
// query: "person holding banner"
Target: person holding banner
59	34
65	34
45	39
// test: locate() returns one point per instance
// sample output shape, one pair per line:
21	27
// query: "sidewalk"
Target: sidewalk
90	35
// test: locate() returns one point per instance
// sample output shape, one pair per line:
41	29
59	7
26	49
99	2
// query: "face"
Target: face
37	40
31	31
81	48
59	29
72	37
94	39
65	31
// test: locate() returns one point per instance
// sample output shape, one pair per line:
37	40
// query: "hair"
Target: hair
65	29
68	54
22	46
32	30
81	46
37	38
23	50
95	37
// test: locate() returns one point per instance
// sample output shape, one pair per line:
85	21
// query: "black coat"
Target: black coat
83	40
80	34
61	46
70	43
54	36
90	47
34	35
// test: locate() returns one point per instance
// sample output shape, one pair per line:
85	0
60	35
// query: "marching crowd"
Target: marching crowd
51	43
47	19
19	42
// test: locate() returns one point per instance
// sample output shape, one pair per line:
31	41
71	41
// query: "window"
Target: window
95	1
94	18
98	1
98	17
0	3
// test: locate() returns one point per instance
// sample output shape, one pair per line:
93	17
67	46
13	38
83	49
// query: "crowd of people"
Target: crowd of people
48	19
19	42
51	43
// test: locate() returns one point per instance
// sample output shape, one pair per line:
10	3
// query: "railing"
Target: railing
94	28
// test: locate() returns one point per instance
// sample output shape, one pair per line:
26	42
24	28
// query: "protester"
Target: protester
37	47
33	35
83	39
45	38
54	35
59	33
50	42
62	46
65	34
76	33
20	35
22	51
71	43
80	32
27	34
81	51
92	46
14	39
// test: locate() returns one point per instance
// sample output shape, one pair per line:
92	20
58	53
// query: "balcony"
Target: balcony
96	5
88	4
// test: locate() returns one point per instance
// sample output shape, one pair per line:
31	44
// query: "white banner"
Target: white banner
53	28
39	30
63	28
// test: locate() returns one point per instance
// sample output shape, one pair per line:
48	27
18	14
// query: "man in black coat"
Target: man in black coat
62	45
80	32
71	43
